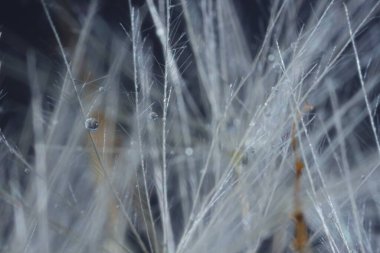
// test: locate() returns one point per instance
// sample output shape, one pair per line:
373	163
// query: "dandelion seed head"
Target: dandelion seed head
191	115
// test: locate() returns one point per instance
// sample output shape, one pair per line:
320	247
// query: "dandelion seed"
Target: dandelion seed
91	124
301	237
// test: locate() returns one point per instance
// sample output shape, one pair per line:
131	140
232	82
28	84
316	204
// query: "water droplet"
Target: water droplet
252	124
153	116
101	89
91	124
276	67
270	57
160	32
231	89
189	151
27	171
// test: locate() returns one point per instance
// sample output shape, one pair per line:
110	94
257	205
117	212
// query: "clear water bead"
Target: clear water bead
189	151
91	124
153	116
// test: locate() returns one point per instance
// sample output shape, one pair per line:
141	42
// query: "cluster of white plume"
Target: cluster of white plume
179	139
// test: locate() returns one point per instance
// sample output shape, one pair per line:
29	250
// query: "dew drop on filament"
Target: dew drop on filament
91	124
153	116
189	151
